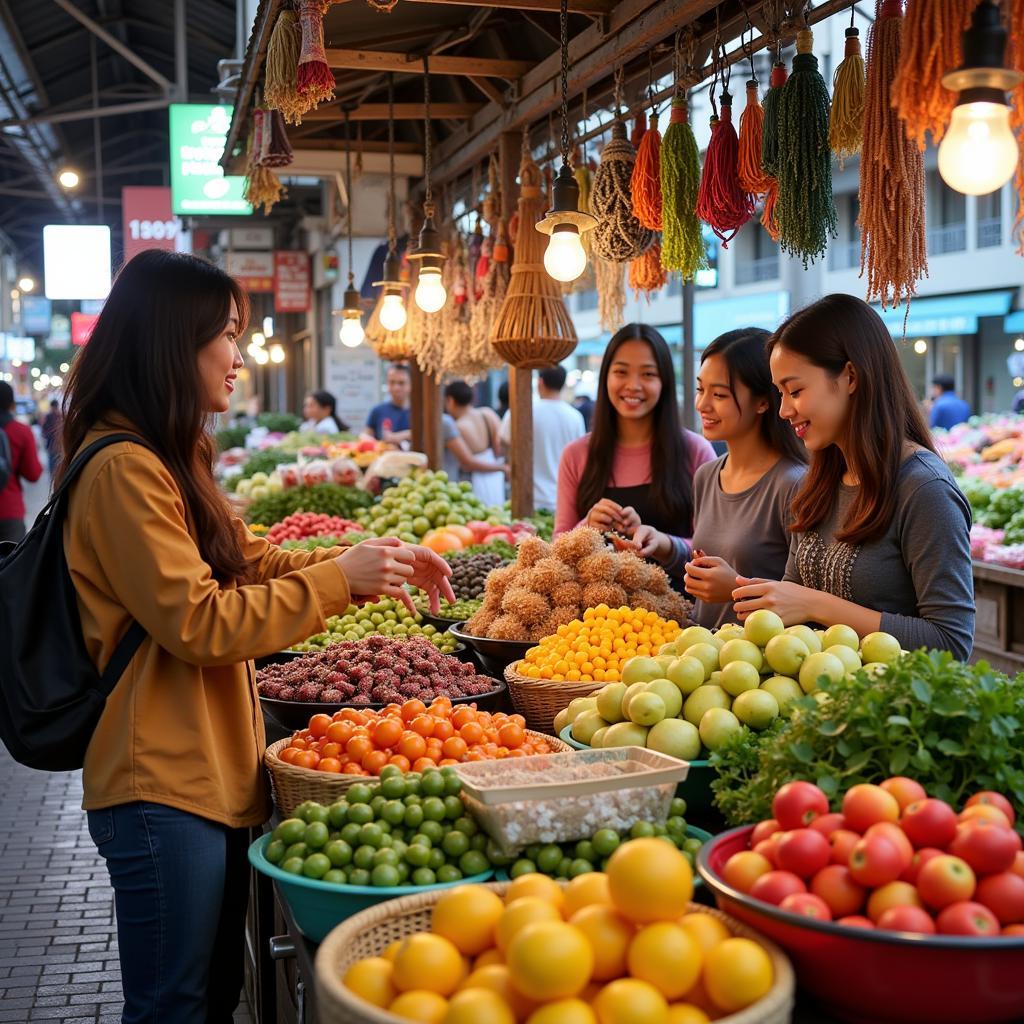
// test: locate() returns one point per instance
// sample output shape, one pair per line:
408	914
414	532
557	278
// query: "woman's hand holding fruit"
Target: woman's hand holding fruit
710	579
382	566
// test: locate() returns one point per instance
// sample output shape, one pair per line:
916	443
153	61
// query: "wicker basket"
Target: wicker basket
369	933
539	700
294	785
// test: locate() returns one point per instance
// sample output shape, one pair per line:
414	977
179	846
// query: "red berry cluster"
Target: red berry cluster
300	525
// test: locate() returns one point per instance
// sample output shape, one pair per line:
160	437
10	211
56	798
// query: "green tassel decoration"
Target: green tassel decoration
806	211
682	243
770	136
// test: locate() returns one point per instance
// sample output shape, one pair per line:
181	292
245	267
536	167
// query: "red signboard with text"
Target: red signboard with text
81	327
291	282
148	221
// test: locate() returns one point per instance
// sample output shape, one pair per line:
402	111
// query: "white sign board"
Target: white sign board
76	261
352	375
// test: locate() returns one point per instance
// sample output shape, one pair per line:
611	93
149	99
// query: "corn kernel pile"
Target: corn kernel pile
596	648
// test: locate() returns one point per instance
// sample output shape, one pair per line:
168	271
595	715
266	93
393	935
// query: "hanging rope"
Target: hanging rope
892	218
611	294
280	87
846	120
314	79
930	47
275	149
262	186
683	241
806	211
619	236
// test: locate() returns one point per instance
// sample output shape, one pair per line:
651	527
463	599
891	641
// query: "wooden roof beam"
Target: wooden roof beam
378	60
592	7
402	112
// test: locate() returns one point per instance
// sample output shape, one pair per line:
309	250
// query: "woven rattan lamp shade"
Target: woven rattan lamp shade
533	328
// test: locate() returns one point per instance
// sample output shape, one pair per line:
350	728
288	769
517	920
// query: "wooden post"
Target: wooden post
416	406
431	395
520	386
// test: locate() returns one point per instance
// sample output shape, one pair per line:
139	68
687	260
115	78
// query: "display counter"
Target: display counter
999	629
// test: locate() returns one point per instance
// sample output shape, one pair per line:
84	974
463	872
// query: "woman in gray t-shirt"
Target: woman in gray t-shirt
741	500
882	533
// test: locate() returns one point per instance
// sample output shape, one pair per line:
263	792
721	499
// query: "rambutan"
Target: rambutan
531	551
632	572
499	580
508	627
480	624
560	616
644	599
610	594
532	609
548	573
599	567
568	595
577	544
513	599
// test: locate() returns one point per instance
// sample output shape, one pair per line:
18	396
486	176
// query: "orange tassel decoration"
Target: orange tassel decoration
646	273
1016	61
721	201
646	180
752	175
314	79
639	130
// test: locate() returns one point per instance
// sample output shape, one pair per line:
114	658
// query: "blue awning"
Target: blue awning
947	314
1013	324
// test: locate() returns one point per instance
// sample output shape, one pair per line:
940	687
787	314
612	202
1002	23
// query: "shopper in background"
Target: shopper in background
51	433
172	776
459	462
19	460
480	428
584	405
881	532
948	409
636	467
556	424
502	399
319	408
741	500
389	421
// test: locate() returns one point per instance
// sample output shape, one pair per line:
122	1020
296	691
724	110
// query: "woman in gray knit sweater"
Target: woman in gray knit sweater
881	532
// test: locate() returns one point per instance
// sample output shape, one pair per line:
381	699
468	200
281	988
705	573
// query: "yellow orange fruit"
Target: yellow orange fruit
737	972
708	931
564	1011
498	979
550	960
667	956
630	1001
491	956
389	953
687	1013
428	962
518	914
421	1007
372	979
584	890
467	915
478	1006
537	885
650	880
609	935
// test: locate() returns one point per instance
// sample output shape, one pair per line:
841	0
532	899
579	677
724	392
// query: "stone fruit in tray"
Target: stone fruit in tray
550	585
412	737
376	670
469	575
457	612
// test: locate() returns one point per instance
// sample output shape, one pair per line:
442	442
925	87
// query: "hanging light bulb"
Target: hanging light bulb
979	152
276	353
260	356
565	258
351	334
393	315
428	254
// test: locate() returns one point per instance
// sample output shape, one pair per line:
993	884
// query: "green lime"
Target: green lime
668	839
393	812
371	835
389	771
393	787
400	846
417	855
360	814
412	783
377	804
316	866
404	871
335	875
432	784
580	867
339	853
316	835
496	855
433	830
478	842
413	816
676	825
677	807
564	867
359	876
660	830
455	844
275	851
454	808
337	814
350	833
385	827
363	857
296	850
433	809
423	876
386	856
548	858
532	852
452	784
317	812
293	865
585	850
522	867
421	839
412	800
606	841
473	862
466	824
641	830
692	845
448	873
290	831
302	811
436	859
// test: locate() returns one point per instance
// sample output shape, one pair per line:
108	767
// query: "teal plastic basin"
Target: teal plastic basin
318	906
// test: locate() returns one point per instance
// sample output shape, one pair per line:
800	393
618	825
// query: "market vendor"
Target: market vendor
636	466
881	532
320	410
742	499
172	775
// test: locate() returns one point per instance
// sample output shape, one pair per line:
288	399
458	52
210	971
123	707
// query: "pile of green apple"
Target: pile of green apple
705	686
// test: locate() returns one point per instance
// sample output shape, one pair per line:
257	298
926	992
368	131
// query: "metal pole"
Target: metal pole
689	358
97	139
180	52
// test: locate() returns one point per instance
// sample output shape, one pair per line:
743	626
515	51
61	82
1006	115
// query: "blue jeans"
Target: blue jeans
181	887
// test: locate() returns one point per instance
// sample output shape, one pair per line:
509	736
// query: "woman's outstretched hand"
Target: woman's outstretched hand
384	565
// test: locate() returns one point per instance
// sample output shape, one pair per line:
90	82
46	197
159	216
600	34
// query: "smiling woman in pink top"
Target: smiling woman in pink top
636	466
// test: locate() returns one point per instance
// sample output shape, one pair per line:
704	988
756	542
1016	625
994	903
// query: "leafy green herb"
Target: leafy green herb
331	499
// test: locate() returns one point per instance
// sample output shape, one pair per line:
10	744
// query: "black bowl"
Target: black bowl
494	655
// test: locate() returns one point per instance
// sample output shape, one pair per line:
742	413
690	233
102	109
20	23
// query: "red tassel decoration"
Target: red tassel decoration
314	79
646	180
639	130
721	201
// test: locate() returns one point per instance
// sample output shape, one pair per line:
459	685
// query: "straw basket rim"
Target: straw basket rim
540	700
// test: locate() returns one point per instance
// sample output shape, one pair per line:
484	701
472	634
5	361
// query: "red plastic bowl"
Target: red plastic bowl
876	977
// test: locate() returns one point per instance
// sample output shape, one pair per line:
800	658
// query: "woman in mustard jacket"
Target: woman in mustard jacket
172	775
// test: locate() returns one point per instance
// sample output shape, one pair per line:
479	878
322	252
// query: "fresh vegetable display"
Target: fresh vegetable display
329	499
315	543
957	728
569	860
497	546
264	463
458	611
377	670
551	585
619	947
412	736
386	617
301	525
894	858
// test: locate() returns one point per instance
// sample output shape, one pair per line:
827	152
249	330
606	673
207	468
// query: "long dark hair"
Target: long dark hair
883	415
326	400
746	358
141	363
671	480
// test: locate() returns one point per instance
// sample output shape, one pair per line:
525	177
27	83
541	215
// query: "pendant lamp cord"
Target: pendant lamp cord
428	194
348	190
563	17
392	213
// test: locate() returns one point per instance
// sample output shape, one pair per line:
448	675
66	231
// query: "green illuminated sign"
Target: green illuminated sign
198	182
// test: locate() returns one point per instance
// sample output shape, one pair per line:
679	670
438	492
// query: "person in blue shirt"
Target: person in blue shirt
947	409
389	421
